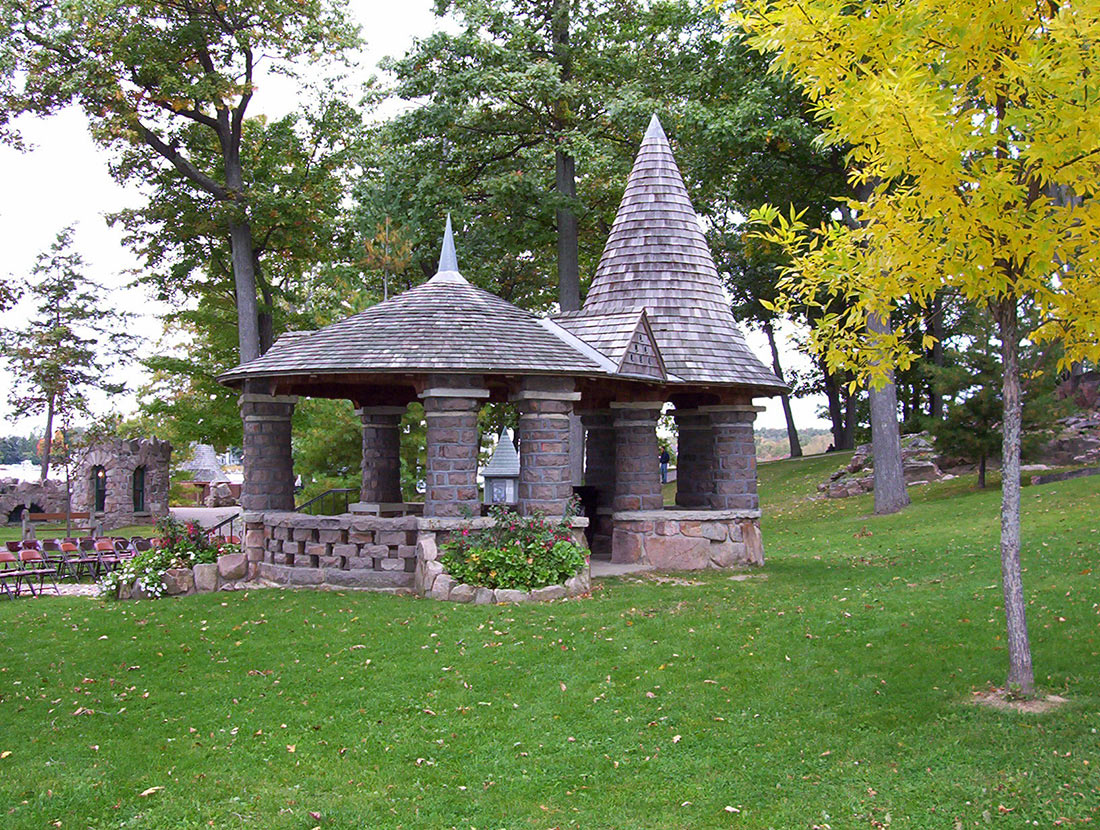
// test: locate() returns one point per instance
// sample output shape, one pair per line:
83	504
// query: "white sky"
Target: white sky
64	180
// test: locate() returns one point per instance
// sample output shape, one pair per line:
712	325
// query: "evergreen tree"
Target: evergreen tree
68	347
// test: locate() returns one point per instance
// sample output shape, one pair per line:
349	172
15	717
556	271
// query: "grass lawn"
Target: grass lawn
832	693
12	533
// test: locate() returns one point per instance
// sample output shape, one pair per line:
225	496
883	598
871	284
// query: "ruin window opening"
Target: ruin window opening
139	490
99	488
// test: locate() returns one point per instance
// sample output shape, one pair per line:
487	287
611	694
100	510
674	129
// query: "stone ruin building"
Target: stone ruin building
123	482
656	328
42	496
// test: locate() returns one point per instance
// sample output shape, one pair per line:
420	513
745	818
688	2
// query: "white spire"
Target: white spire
448	261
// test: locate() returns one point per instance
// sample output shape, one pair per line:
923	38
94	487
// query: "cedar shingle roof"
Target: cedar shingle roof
443	325
657	258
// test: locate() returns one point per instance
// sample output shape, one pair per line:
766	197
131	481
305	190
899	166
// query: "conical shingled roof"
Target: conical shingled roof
505	460
443	325
657	258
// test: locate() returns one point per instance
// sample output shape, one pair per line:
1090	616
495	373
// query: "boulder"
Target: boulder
232	566
484	596
462	593
441	588
548	593
577	585
206	577
510	595
179	581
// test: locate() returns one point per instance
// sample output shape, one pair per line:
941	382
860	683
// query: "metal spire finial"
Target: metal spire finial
448	261
655	129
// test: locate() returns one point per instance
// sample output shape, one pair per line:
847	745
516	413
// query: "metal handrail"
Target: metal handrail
333	497
212	531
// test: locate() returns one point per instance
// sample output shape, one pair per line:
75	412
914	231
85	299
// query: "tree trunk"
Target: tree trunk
851	416
836	412
244	281
935	318
1020	674
47	441
981	472
785	399
265	316
890	493
569	283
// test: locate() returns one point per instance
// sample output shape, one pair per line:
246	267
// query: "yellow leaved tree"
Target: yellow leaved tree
975	135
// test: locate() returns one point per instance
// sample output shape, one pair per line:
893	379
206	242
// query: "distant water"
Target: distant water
27	471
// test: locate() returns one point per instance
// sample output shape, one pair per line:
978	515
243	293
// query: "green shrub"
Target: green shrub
182	546
521	552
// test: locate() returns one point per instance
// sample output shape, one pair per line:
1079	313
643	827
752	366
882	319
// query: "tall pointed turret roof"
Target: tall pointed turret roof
657	259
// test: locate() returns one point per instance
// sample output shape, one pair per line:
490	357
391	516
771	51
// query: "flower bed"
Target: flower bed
511	558
174	565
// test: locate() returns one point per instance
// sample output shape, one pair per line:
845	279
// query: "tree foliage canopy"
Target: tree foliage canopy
975	126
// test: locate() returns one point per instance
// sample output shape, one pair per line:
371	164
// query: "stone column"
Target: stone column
451	404
734	458
381	453
694	456
268	468
637	468
545	471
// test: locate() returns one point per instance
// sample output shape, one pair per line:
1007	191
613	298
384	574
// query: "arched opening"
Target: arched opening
99	489
15	516
139	490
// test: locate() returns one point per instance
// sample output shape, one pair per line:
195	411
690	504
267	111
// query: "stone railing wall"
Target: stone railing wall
368	552
673	539
347	550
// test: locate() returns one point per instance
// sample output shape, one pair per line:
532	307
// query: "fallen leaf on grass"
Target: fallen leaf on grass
5	754
150	791
290	747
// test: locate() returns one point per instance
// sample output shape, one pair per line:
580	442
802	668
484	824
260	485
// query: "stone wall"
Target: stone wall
346	550
47	497
679	540
119	459
389	554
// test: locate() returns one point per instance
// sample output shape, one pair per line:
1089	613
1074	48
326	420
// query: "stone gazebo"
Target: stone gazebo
656	328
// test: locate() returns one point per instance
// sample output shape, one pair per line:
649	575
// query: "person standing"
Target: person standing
665	458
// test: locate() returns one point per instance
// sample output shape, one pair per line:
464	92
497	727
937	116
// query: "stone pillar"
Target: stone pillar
381	453
694	456
268	468
451	404
637	468
734	458
545	471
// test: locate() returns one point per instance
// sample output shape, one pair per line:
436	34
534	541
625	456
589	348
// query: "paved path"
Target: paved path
603	568
204	516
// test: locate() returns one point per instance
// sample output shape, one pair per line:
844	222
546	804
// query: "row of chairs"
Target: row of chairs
23	564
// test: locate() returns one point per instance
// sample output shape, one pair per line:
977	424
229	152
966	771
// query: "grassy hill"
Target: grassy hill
831	691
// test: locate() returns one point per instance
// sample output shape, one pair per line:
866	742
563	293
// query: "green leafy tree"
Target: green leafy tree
67	348
152	76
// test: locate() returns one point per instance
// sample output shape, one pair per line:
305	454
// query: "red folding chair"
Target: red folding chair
105	550
10	571
35	565
78	562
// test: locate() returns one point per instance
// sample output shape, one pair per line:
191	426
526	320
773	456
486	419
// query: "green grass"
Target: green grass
832	693
11	533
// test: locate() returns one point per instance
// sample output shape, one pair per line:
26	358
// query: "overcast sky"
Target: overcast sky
64	180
